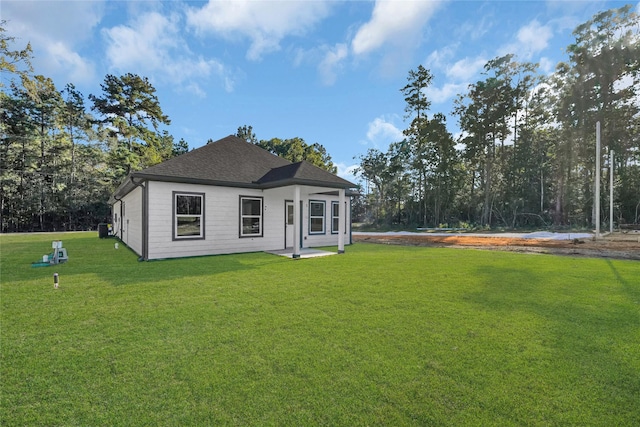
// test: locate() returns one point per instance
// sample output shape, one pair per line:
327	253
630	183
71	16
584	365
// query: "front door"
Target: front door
288	227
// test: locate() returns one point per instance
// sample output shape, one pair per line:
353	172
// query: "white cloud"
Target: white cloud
347	171
61	57
396	22
329	60
466	68
476	29
534	36
195	89
265	23
145	42
152	44
446	92
56	30
547	65
458	74
58	21
440	58
332	62
531	39
382	131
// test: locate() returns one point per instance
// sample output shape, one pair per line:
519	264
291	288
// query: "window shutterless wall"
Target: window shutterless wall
251	218
317	216
188	215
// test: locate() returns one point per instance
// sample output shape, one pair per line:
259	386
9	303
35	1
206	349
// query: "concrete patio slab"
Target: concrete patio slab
304	253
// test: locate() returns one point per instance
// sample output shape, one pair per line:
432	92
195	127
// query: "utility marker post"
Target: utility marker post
597	190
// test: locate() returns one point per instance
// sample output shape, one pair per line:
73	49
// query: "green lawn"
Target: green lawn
382	335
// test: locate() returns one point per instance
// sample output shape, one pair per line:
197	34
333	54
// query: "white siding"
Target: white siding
132	220
327	238
221	220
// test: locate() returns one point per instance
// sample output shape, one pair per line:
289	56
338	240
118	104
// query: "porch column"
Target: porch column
341	220
296	222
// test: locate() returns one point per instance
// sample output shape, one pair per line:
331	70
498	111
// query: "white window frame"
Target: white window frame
312	217
335	217
176	215
244	216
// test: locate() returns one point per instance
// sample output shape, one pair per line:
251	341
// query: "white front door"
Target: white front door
288	227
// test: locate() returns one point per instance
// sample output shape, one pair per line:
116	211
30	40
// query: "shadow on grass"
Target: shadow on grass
90	255
593	300
581	324
616	273
507	288
632	289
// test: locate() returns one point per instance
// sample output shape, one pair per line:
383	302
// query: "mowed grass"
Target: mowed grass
382	335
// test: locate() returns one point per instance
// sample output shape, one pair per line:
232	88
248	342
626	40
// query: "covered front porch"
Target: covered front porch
297	246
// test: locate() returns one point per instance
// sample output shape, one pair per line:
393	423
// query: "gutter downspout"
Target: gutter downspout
145	211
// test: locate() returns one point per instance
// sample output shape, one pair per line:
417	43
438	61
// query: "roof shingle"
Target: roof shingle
231	161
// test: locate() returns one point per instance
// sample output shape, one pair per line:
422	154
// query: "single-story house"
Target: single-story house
231	196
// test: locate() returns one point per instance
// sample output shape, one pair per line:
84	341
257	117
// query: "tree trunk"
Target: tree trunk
557	213
486	207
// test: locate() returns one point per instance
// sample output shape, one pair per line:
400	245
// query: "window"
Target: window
316	217
250	216
335	217
289	214
188	221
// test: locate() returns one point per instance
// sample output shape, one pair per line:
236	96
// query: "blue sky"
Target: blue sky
326	71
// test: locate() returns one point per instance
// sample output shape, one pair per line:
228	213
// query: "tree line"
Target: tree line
62	157
525	156
526	153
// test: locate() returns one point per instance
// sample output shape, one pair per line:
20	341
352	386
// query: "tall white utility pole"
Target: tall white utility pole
610	191
597	195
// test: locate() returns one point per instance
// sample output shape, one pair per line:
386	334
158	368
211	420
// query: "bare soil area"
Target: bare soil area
616	245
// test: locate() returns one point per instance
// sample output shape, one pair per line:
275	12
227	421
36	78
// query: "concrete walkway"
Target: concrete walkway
304	253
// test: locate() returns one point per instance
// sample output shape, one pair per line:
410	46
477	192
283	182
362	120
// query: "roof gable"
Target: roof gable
228	160
302	173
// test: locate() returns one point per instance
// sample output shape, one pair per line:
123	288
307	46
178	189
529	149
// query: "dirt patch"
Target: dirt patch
616	245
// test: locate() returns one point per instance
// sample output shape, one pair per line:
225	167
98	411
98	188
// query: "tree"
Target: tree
17	160
180	147
417	105
486	114
296	150
604	81
441	160
12	128
16	62
131	113
414	93
77	126
246	132
374	168
75	121
43	113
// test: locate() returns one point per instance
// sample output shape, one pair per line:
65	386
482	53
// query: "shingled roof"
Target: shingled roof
233	162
